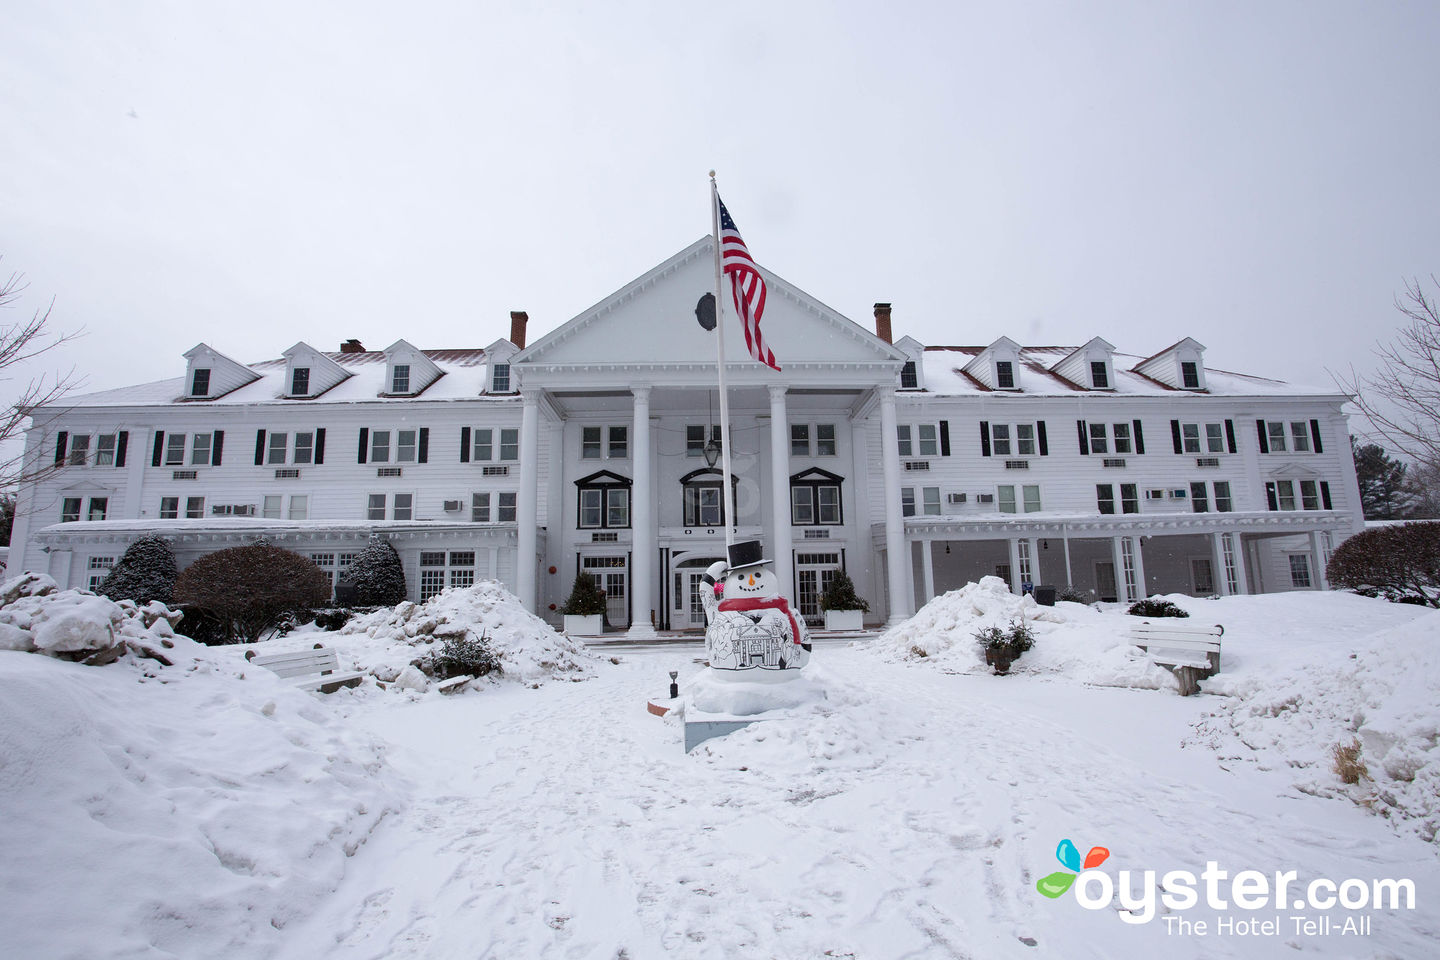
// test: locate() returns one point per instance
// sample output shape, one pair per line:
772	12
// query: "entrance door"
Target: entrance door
612	574
813	574
1105	580
1202	576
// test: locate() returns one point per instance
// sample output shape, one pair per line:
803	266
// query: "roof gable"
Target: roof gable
225	374
324	372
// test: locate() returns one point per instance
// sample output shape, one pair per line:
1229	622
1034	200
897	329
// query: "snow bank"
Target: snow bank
36	616
1385	694
388	642
190	808
1070	638
753	692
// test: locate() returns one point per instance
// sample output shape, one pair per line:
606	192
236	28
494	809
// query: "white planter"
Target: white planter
844	620
591	626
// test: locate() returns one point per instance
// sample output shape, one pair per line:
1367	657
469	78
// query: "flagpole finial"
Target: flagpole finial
712	174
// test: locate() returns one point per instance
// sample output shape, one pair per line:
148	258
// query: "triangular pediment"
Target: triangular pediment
652	321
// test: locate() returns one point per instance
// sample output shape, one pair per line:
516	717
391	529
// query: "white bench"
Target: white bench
1191	653
308	669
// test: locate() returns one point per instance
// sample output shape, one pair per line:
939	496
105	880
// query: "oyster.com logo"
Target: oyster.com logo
1060	881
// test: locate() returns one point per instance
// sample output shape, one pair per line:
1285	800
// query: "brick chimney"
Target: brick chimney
518	319
882	322
352	346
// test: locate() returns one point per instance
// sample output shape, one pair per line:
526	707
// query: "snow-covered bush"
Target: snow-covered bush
1155	608
585	598
841	595
1397	561
249	589
376	578
464	654
146	572
38	617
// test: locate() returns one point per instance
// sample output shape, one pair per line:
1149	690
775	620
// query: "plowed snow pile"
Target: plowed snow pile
1070	638
190	808
1384	695
387	642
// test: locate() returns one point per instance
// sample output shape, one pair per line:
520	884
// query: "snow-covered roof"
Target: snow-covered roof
945	376
465	376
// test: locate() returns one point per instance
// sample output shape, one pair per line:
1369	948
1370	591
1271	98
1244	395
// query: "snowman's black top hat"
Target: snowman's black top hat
746	553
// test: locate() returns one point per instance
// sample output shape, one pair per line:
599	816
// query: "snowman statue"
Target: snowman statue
752	631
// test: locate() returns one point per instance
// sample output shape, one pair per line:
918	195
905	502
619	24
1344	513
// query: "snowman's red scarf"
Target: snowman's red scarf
769	603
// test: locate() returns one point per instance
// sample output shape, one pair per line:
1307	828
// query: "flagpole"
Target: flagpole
728	490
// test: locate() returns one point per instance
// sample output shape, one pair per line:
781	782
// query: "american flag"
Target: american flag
746	284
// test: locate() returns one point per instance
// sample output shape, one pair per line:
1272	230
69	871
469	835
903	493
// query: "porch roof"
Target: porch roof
1051	525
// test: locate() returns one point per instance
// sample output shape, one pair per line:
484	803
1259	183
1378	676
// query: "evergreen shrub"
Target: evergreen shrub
841	595
146	572
465	655
585	599
1155	608
376	576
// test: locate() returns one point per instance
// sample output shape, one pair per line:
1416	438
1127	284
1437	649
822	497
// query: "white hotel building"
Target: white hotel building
914	467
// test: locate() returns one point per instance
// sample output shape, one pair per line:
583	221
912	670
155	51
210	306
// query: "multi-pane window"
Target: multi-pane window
1105	497
175	450
1005	498
799	439
1120	434
1199	502
1099	376
97	508
824	436
194	508
200	384
105	450
1190	375
1000	439
908	378
1223	503
1004	374
170	508
903	440
1309	495
405	446
300	507
1030	493
1025	439
375	507
501	381
928	438
1299	570
824	439
482	444
1276	432
695	438
70	510
270	506
604	506
1129	498
200	449
1215	438
509	444
703	504
930	501
300	382
98	568
279	448
614	441
480	507
907	501
1190	437
815	498
79	450
400	378
1300	436
1099	443
402	506
505	506
304	447
618	447
590	443
1285	494
379	446
432	573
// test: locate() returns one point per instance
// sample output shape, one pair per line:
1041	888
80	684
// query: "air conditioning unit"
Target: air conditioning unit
955	498
452	506
983	497
1154	494
1179	493
232	510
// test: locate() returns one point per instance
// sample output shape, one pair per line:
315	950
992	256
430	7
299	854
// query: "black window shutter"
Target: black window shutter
1270	495
1040	438
944	438
1175	436
122	441
61	439
464	444
1230	435
320	445
217	447
159	450
424	454
1139	438
1264	440
1315	438
364	443
984	438
1325	494
1084	437
259	448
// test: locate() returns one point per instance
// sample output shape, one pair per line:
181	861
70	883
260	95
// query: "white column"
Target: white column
1241	580
1069	576
1220	575
901	594
1117	554
1014	545
527	500
1317	562
927	566
783	545
1140	583
642	521
1035	561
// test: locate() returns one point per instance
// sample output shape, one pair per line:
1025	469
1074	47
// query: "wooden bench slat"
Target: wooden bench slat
316	669
303	656
1191	652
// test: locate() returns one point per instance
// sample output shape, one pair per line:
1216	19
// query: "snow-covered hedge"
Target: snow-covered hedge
36	616
389	643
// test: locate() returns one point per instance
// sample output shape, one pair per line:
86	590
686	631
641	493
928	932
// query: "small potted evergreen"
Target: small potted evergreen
844	608
584	612
1003	647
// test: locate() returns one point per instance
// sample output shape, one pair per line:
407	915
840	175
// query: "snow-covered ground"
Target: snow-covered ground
212	812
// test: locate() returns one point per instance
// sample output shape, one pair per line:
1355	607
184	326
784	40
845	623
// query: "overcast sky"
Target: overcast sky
1260	176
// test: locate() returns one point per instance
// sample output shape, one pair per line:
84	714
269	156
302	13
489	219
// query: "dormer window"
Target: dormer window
908	378
300	382
1099	376
200	385
1190	374
500	382
400	378
1004	375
